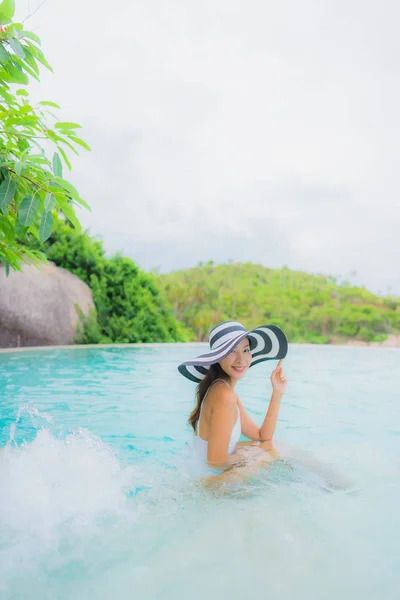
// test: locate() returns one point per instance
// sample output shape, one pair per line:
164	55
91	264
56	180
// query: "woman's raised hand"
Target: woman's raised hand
278	379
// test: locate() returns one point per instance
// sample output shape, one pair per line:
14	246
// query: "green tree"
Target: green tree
129	305
32	185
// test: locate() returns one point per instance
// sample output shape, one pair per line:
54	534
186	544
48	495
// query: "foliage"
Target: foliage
129	306
309	308
31	184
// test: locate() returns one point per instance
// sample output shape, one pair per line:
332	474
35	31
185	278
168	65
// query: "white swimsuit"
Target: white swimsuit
201	446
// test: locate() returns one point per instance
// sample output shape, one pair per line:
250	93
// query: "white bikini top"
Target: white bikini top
201	445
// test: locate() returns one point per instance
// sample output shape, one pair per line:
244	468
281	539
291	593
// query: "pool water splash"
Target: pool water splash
33	415
58	495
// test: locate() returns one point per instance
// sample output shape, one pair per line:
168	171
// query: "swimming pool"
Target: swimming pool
98	497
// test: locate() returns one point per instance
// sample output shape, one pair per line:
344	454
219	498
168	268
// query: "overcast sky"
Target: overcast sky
234	130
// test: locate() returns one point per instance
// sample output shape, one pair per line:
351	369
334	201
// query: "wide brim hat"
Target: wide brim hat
267	342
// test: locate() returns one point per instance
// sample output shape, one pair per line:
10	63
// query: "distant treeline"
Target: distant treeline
134	306
309	308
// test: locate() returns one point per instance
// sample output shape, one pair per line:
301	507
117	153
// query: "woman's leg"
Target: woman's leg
261	453
313	464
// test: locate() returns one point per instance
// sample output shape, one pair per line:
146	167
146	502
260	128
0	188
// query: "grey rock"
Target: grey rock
38	306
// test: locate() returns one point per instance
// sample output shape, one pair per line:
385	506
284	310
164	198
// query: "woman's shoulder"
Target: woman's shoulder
222	392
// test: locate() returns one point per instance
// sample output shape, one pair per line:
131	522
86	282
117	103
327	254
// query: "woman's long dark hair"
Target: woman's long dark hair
214	372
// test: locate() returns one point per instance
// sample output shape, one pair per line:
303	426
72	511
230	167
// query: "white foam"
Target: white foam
55	491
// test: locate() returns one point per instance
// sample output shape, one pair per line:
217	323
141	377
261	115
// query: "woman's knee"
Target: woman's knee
268	447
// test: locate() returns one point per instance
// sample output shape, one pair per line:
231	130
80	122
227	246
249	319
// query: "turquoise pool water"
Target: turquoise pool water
99	498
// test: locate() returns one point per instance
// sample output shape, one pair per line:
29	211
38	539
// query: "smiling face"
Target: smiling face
238	361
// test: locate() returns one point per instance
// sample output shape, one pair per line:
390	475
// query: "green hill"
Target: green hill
309	308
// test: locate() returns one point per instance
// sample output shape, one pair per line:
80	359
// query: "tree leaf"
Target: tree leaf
18	168
46	226
37	159
14	29
30	60
47	103
7	228
67	125
49	202
65	185
22	92
65	157
28	210
57	166
16	46
7	191
69	213
83	203
5	77
39	55
30	35
7	97
77	140
16	73
20	230
32	72
56	139
26	108
7	9
4	55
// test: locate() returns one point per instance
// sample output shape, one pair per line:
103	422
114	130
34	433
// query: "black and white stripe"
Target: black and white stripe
267	342
223	332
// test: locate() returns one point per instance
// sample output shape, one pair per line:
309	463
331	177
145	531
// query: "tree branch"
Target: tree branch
40	187
18	134
36	9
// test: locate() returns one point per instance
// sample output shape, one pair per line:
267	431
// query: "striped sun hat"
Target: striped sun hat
267	342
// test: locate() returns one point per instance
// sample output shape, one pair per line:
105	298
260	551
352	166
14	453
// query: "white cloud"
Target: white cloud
243	130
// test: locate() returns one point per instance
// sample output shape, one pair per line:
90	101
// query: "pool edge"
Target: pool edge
159	344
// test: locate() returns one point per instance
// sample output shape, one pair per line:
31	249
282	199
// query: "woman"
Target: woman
219	417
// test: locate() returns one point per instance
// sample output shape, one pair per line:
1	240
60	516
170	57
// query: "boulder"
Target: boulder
38	306
392	341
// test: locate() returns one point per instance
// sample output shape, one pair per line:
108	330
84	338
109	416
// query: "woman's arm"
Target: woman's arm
267	429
